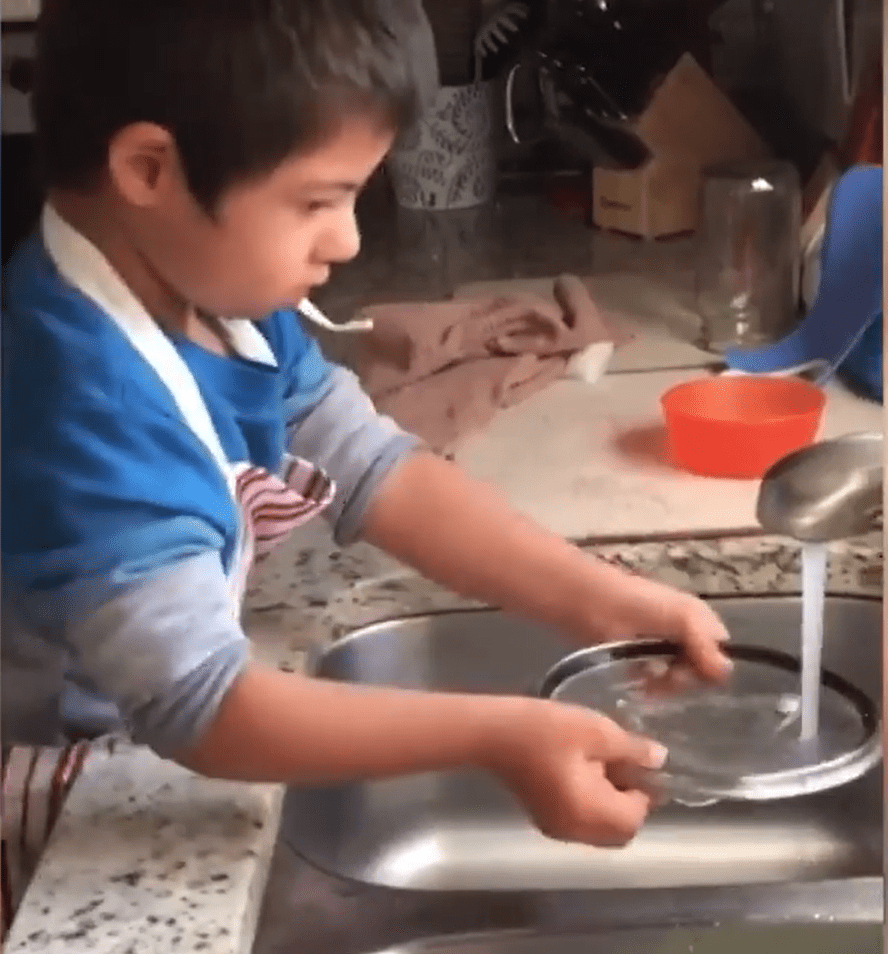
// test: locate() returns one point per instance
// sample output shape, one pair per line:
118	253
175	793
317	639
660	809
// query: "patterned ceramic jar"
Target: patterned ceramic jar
448	160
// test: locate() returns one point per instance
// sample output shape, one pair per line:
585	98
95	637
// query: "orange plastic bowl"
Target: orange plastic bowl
738	426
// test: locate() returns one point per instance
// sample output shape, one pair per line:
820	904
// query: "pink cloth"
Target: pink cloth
443	369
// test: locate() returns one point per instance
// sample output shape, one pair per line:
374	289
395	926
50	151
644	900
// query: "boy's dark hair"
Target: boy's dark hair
240	84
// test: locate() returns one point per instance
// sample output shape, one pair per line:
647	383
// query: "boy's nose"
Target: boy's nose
342	242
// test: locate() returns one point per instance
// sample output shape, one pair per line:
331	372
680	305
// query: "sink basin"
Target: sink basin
727	939
459	831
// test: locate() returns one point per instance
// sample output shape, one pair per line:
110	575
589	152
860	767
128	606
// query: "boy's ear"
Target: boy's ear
143	164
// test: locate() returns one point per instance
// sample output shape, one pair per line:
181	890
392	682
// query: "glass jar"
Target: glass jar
748	254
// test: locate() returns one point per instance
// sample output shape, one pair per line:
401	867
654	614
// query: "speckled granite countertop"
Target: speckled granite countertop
148	857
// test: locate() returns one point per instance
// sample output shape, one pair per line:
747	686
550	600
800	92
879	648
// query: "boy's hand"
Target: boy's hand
558	760
702	635
652	609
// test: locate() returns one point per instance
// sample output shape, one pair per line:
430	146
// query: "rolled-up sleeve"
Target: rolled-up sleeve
166	650
334	424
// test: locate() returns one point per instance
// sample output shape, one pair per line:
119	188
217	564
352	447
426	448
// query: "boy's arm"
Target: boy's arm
462	533
283	727
170	653
553	758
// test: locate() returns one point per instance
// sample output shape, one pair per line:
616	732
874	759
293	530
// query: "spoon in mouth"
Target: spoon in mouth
314	314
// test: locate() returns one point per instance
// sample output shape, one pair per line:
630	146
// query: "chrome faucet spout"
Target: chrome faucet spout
828	491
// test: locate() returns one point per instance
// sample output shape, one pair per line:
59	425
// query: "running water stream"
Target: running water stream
814	562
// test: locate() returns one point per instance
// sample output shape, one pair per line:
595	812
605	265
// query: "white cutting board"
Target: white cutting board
563	457
656	311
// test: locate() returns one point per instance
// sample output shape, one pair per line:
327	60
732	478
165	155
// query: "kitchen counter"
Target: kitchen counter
591	461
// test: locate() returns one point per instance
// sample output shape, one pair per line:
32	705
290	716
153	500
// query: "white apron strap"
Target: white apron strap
84	266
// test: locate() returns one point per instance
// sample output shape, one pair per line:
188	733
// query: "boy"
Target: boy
165	418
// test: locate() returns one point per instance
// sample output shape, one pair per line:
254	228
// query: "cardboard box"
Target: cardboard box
688	124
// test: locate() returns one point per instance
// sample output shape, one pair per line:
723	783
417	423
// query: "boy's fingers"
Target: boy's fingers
707	656
615	744
621	813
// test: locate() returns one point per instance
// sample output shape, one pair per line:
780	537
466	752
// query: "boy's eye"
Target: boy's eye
317	205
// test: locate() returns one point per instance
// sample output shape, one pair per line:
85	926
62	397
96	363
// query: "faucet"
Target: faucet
828	491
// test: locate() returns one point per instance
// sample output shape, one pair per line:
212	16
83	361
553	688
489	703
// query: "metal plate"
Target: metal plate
740	741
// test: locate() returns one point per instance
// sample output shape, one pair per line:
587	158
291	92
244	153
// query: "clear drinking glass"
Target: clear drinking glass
748	253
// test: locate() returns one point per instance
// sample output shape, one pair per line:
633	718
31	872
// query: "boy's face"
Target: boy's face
271	240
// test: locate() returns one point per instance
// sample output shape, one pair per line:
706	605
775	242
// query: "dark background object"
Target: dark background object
21	195
596	64
455	24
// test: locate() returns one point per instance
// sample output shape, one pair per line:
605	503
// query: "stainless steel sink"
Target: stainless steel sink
446	864
724	939
460	832
308	912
